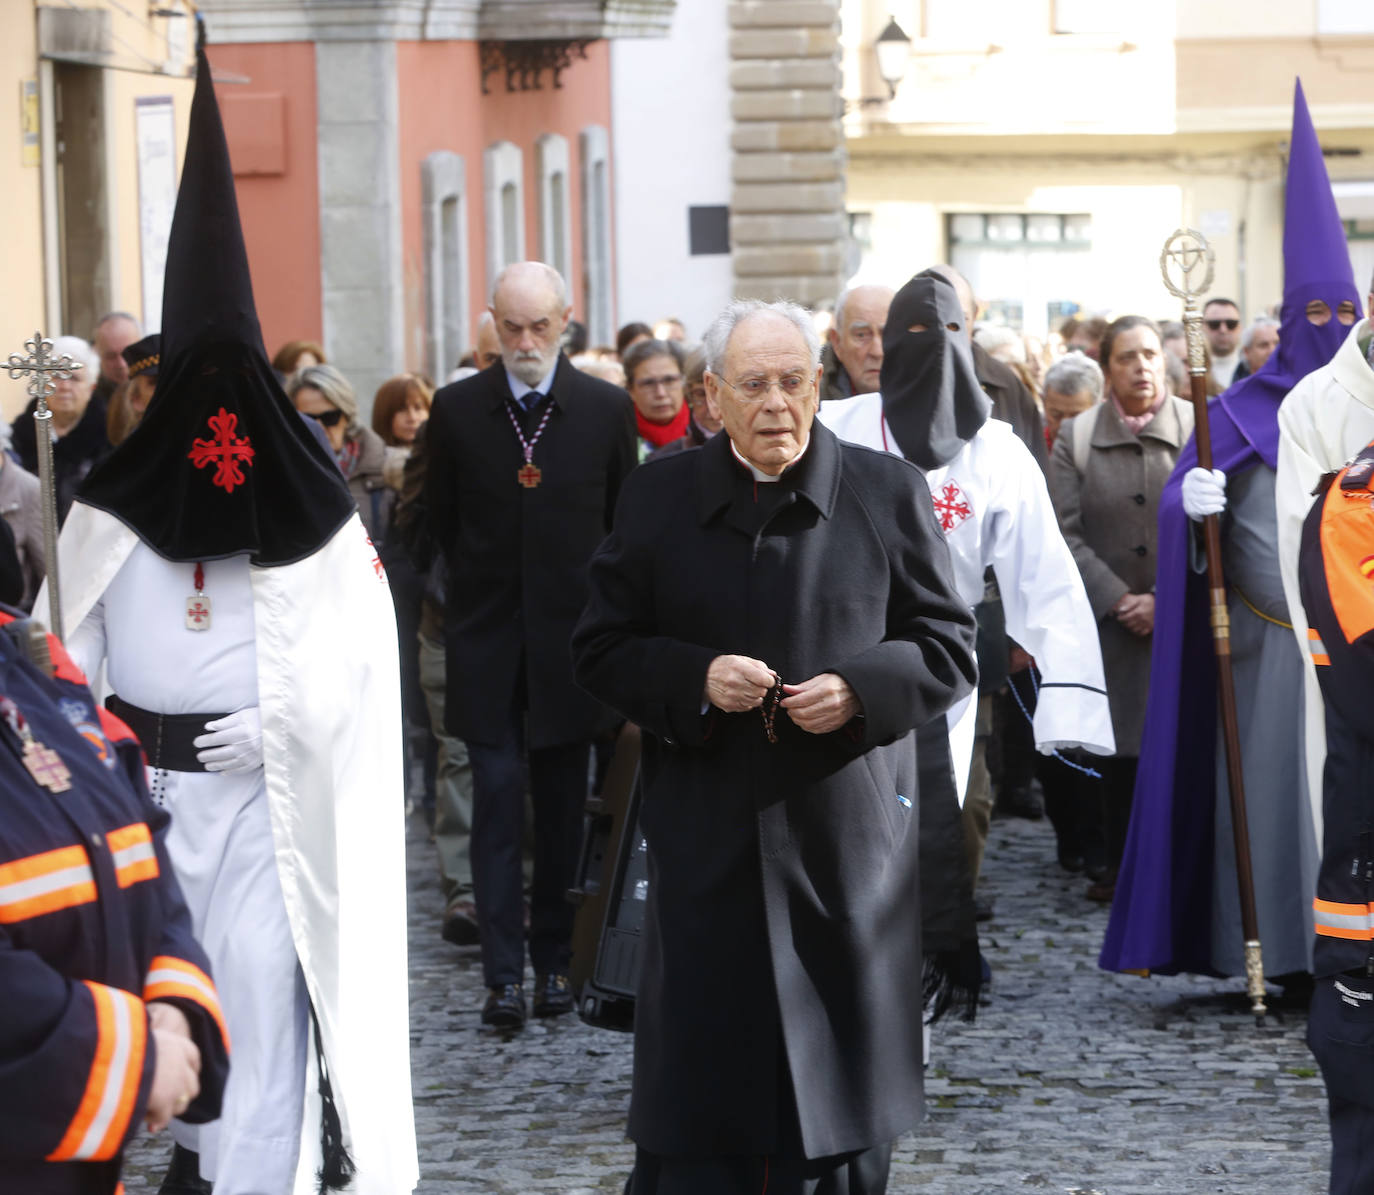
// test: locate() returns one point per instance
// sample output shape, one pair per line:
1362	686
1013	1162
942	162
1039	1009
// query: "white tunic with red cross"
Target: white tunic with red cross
995	511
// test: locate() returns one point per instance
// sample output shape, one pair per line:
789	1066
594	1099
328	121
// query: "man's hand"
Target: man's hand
176	1068
821	704
1019	659
738	683
1136	612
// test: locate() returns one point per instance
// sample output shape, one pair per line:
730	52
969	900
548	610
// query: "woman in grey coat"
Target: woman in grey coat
1106	475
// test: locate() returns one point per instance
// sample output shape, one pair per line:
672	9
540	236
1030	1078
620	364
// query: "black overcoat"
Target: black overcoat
518	557
783	908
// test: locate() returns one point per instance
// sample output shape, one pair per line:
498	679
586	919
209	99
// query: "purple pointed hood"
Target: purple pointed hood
1316	261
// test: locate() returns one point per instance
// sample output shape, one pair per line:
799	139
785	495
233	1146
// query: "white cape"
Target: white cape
329	697
995	510
1325	420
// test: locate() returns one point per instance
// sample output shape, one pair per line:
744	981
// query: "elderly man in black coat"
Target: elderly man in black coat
526	461
776	611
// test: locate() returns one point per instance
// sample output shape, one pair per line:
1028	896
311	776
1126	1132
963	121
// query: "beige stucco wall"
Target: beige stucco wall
23	302
21	208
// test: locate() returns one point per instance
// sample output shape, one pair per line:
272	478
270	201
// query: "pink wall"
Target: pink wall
270	124
442	107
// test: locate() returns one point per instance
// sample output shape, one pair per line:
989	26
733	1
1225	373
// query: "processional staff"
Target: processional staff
43	371
1186	255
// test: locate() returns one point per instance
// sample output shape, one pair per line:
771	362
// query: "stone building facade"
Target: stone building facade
787	224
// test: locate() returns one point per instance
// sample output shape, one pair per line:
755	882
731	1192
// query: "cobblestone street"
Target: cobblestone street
1070	1081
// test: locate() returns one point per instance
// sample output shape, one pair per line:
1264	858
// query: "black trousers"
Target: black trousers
1117	788
1340	1034
558	792
863	1173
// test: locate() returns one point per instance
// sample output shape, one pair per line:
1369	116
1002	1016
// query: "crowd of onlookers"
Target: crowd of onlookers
1128	368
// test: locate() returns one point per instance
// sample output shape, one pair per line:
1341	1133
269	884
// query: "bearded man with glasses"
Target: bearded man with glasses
776	611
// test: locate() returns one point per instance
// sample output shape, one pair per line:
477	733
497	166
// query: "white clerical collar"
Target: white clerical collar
518	389
759	474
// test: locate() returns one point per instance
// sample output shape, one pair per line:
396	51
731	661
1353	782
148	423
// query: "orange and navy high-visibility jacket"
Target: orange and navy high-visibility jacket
92	927
1336	577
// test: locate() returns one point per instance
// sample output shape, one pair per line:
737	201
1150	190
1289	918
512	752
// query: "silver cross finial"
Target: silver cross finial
41	368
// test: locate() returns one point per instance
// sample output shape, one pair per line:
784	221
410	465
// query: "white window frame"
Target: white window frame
551	167
504	166
447	317
597	278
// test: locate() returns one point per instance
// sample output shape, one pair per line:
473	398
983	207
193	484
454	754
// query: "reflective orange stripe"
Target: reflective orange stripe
1316	648
1334	919
133	854
174	978
102	1117
44	883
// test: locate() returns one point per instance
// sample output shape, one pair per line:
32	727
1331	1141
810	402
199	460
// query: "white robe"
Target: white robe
1325	420
328	692
995	510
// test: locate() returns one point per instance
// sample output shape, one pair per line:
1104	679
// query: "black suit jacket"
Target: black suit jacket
517	557
783	906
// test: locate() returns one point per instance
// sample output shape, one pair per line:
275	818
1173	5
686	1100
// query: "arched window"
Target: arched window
555	216
596	235
505	189
444	192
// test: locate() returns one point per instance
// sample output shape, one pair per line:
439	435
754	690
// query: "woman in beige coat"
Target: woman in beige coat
1107	472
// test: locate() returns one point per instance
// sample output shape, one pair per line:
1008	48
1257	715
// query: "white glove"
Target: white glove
234	743
1204	493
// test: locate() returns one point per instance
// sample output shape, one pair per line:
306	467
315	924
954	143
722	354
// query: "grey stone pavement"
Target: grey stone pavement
1071	1080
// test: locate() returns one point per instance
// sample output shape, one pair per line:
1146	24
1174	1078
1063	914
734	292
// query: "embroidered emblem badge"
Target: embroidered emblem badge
951	507
228	452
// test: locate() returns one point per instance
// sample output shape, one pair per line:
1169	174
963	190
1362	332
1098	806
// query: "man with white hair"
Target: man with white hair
78	424
526	461
1257	345
776	611
855	342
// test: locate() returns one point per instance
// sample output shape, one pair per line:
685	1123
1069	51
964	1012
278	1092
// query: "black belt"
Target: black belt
166	738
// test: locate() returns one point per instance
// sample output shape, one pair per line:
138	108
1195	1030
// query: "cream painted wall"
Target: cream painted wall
1246	18
142	46
21	209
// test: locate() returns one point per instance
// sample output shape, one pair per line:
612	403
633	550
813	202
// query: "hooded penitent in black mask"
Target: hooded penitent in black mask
221	463
931	397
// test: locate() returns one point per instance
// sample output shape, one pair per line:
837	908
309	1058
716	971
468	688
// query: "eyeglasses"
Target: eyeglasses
667	381
328	418
751	390
1216	325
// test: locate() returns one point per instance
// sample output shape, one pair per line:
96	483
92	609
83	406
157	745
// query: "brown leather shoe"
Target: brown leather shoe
553	995
460	925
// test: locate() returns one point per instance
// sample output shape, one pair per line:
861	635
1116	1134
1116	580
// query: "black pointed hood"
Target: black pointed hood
221	463
931	397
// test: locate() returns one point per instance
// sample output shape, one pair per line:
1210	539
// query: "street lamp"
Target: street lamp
893	48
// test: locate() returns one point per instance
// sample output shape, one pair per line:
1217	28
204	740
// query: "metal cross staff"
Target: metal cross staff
43	371
1187	263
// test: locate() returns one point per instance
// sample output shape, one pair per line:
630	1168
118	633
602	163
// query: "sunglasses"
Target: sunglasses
328	418
1216	325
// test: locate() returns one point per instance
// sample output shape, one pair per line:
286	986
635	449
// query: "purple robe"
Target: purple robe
1161	914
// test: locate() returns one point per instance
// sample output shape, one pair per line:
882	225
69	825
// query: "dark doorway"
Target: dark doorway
82	196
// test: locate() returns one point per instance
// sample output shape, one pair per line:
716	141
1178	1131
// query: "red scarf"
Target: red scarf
659	434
